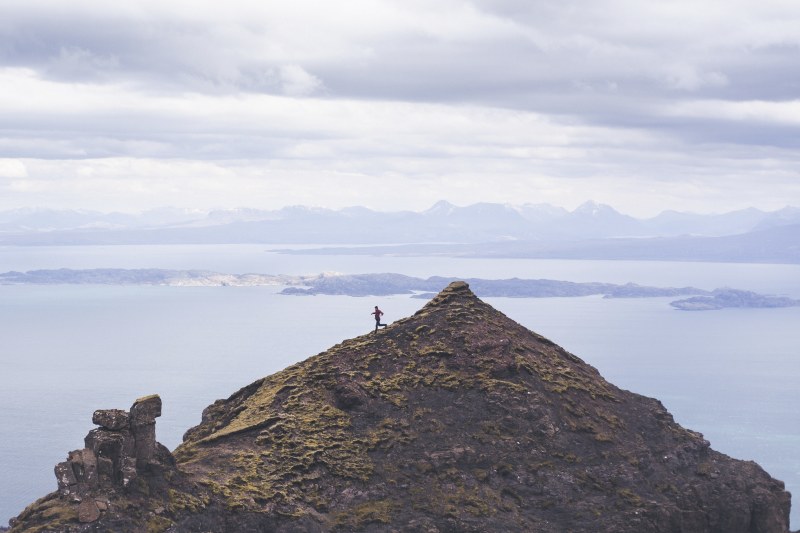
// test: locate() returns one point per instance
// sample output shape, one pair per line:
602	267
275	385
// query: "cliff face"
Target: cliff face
454	419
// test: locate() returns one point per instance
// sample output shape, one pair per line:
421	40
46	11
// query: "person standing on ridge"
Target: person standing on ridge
378	313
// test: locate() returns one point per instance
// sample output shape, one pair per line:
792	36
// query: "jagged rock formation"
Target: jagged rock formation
456	419
121	463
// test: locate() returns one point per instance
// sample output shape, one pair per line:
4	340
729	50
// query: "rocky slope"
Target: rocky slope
455	419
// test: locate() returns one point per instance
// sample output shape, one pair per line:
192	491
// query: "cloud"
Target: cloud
80	64
520	95
296	81
785	112
12	168
528	55
689	78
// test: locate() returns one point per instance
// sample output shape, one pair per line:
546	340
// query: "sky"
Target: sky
643	105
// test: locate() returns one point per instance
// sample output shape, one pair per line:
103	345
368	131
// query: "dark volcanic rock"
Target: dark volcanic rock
88	511
108	470
143	426
456	419
113	419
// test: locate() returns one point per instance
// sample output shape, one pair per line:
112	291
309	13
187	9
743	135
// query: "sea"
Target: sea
67	350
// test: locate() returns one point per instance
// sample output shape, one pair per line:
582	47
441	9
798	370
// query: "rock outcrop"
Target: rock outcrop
456	419
121	459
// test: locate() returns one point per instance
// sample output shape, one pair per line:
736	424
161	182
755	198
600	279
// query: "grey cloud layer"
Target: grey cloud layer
479	51
309	80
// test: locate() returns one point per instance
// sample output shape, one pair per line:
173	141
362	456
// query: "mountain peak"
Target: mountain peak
593	208
456	418
457	290
442	207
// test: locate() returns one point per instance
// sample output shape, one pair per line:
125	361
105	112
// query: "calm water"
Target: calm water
68	350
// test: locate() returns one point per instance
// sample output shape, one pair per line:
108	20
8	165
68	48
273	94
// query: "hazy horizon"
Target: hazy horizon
207	210
393	105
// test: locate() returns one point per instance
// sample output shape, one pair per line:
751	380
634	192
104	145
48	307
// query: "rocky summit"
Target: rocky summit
456	419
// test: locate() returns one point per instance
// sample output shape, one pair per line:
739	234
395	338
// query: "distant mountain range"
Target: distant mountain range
530	230
442	222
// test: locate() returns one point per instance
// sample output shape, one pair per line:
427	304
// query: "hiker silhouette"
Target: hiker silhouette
378	313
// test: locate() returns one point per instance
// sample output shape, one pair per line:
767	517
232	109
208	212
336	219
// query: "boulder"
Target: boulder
113	419
145	410
88	511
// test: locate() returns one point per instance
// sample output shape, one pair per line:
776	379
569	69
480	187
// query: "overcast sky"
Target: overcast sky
691	105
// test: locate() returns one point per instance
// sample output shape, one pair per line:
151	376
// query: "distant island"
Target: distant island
386	284
143	276
726	298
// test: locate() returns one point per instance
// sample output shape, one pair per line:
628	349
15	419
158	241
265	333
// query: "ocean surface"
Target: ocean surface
68	349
